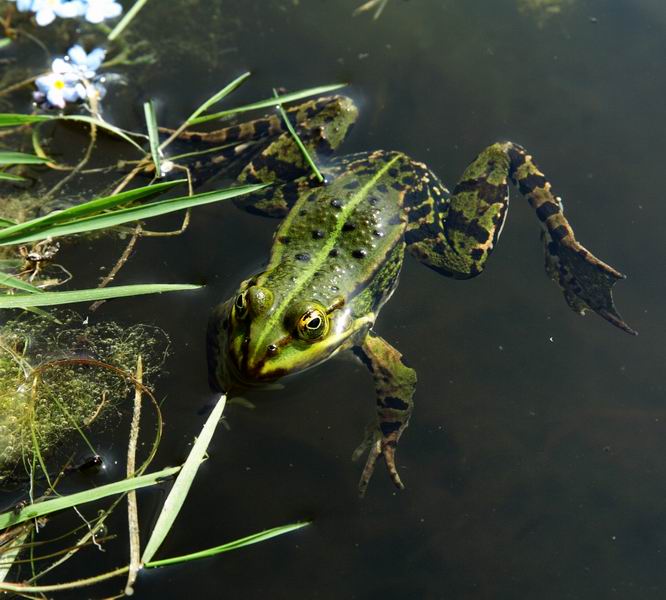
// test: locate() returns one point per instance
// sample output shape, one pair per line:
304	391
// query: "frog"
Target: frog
337	255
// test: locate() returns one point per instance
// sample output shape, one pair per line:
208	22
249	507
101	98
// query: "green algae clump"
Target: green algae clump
57	379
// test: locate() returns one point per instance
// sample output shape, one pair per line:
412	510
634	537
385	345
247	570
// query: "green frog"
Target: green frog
337	255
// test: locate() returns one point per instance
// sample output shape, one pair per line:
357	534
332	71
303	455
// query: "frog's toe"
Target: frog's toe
586	281
379	447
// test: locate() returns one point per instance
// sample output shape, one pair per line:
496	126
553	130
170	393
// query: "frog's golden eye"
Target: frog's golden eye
312	325
240	306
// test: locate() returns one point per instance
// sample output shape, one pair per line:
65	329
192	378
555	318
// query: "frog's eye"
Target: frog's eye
240	306
312	325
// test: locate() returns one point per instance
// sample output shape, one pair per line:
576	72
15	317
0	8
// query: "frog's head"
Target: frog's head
255	338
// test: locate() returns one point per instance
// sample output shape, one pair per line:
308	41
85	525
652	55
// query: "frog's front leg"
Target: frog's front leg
457	235
394	384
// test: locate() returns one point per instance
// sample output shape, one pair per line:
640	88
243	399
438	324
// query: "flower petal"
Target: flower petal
78	55
24	5
60	65
55	97
67	10
45	16
95	58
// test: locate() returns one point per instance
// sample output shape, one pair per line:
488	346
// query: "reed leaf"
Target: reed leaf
215	98
90	295
39	509
181	487
84	210
255	538
127	19
269	102
14	119
127	215
11	177
14	282
19	158
153	136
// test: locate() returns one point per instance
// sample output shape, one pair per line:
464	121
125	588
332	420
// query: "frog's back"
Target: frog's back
337	238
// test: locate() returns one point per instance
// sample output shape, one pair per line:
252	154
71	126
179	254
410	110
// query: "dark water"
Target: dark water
534	462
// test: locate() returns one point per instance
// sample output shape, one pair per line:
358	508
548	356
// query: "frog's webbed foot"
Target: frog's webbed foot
586	281
376	445
394	383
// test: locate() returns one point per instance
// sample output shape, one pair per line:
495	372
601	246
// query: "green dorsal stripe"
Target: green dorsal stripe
317	261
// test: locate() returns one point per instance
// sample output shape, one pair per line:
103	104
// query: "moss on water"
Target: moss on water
45	394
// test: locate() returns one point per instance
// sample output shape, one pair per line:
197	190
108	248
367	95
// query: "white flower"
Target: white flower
23	5
86	63
97	11
47	10
72	78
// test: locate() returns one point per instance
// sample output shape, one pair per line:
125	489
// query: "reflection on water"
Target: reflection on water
533	462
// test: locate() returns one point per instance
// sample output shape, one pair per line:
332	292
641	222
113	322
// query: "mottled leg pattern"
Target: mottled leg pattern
394	384
322	125
459	236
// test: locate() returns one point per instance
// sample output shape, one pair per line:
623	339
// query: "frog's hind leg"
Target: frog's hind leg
322	126
458	239
394	384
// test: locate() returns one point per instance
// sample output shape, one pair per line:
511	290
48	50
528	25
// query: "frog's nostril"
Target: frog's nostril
272	349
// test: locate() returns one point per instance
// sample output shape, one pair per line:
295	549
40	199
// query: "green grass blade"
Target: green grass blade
103	125
39	509
153	136
86	209
127	19
14	119
128	215
215	98
19	158
298	140
14	282
11	177
270	102
181	487
90	295
255	538
4	42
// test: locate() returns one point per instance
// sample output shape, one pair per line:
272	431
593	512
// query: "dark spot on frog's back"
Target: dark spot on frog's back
283	239
261	127
302	212
348	226
372	201
393	172
382	188
359	253
335	203
334	253
303	256
352	185
317	234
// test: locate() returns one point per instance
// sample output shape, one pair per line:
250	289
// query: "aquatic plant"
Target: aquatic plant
57	378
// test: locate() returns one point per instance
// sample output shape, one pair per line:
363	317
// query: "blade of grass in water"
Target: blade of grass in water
86	209
153	136
240	543
4	42
11	177
14	282
19	158
128	215
127	19
181	487
270	102
298	140
91	295
230	87
39	509
215	98
13	119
